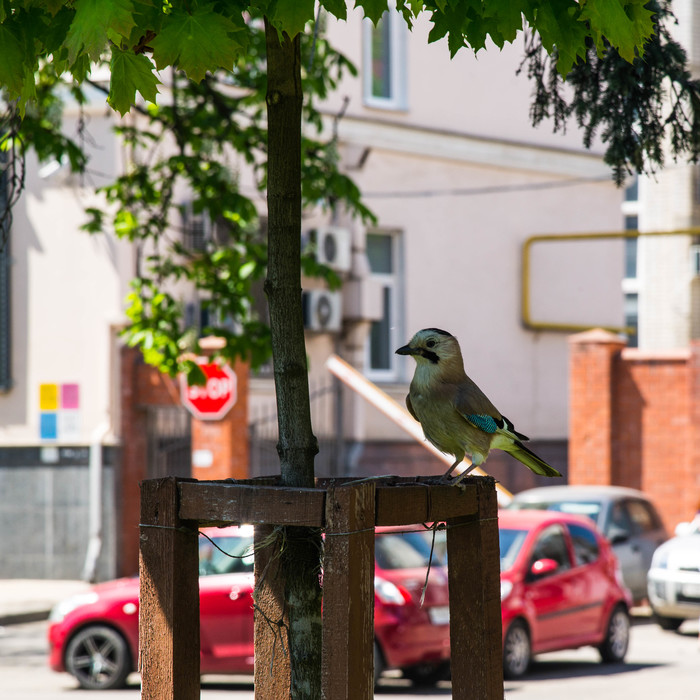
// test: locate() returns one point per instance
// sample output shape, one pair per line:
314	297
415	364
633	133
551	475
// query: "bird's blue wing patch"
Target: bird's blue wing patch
486	423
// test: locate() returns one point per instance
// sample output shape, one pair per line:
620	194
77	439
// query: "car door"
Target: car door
549	596
226	622
620	531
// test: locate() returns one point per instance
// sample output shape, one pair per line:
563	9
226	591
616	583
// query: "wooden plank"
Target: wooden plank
219	503
475	601
348	593
272	662
402	505
423	501
169	596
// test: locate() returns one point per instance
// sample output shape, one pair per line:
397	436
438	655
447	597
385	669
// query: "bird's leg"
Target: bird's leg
463	474
446	475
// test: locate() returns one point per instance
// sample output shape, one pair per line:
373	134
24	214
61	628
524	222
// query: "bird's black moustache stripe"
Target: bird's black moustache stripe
429	355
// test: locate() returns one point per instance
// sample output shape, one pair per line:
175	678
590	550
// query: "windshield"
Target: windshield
590	508
225	555
511	542
403	550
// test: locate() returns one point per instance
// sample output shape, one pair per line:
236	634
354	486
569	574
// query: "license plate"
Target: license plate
439	615
691	590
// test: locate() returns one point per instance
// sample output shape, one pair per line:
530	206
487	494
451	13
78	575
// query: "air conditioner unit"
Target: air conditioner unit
333	247
322	310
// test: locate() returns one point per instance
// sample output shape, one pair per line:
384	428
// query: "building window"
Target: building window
384	337
630	283
384	62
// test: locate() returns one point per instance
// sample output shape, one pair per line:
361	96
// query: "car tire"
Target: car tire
617	637
98	657
378	663
426	675
517	650
671	624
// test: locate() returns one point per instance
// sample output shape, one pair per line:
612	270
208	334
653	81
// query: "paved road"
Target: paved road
660	666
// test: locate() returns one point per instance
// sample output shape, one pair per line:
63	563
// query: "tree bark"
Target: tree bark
297	444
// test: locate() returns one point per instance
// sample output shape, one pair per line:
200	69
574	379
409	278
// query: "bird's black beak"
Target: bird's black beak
406	350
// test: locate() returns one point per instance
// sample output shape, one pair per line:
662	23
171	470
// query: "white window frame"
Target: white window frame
398	32
393	280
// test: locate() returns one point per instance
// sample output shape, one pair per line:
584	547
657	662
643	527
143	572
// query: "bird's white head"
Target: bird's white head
434	348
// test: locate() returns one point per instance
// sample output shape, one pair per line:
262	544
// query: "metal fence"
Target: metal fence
326	420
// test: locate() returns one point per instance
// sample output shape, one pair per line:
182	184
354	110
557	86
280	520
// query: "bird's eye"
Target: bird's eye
430	344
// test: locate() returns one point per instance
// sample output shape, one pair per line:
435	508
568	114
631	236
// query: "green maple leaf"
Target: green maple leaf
509	17
373	9
92	22
559	28
131	73
11	61
338	8
626	27
197	42
291	17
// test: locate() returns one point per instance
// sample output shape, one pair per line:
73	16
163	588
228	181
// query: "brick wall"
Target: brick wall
635	421
143	386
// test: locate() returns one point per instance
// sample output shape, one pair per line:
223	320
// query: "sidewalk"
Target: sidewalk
26	600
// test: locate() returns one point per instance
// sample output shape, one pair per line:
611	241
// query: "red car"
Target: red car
561	588
94	636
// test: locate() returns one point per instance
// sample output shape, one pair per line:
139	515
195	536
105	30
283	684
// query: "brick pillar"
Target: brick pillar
220	448
693	497
590	406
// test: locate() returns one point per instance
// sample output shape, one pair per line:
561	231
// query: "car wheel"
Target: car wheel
378	663
617	637
668	623
427	674
517	650
99	658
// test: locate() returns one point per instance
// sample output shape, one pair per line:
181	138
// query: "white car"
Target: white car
673	580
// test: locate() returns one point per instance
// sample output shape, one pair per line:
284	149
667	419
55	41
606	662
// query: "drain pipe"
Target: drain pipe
94	547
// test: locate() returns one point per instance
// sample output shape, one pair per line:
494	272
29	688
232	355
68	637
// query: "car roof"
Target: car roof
529	519
577	493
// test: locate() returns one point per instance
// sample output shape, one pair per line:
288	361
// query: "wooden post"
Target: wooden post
475	600
273	670
169	597
348	594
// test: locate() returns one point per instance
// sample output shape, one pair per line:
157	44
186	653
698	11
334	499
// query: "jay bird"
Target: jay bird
456	416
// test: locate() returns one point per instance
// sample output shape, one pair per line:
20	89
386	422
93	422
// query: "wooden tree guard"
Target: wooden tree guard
172	509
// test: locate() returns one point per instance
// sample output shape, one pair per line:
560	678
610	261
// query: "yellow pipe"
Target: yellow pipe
527	320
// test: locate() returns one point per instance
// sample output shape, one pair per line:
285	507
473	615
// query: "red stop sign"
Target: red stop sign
213	400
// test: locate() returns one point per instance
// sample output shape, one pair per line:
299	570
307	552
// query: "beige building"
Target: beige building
460	182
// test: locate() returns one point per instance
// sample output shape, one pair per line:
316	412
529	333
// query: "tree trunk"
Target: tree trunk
297	445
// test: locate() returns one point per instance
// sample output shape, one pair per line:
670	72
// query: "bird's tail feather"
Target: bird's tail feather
531	460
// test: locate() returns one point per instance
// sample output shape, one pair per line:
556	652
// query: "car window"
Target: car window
641	516
511	542
551	544
225	555
590	508
585	543
403	550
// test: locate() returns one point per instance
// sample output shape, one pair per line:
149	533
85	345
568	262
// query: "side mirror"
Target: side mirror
543	567
618	535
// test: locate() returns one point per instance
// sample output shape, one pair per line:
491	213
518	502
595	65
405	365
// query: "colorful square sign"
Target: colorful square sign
59	415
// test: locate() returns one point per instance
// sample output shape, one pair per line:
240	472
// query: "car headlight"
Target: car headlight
660	559
506	588
388	592
60	610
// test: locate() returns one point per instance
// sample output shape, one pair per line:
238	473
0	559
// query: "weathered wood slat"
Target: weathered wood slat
169	596
475	600
226	503
348	593
272	662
